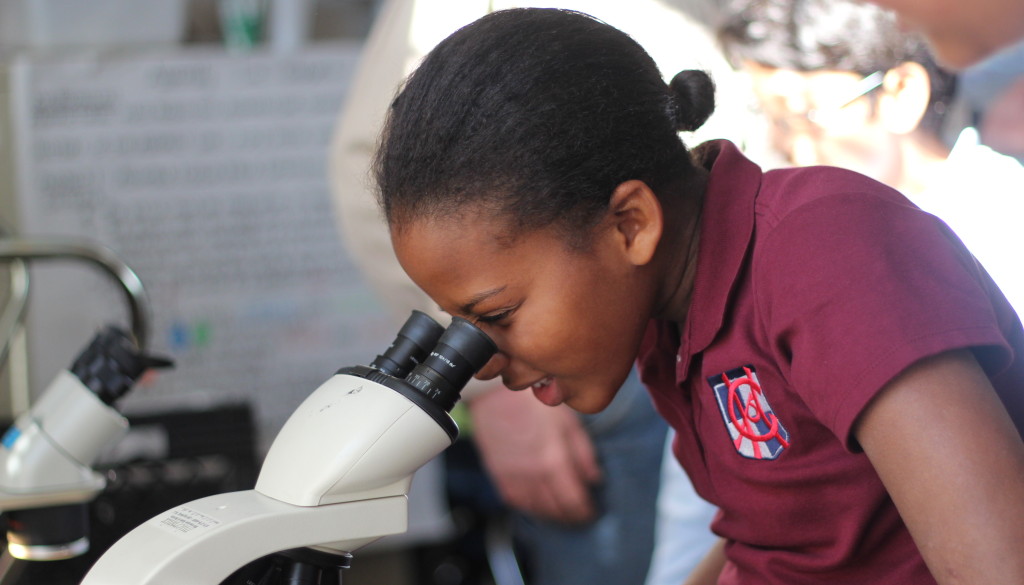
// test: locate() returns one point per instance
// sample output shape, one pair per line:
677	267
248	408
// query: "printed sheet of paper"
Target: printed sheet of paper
205	172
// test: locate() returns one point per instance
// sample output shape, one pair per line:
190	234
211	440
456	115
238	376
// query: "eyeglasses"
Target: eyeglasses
829	111
866	85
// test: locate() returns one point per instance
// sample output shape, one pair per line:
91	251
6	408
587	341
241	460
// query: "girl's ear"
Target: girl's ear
906	90
637	221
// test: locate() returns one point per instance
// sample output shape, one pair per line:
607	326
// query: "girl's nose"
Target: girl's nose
493	367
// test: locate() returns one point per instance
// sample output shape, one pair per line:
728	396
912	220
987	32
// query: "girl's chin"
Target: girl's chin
582	402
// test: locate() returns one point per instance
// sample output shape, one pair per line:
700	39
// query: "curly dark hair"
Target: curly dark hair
535	116
834	35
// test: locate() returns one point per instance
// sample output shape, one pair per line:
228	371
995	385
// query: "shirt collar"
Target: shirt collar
727	225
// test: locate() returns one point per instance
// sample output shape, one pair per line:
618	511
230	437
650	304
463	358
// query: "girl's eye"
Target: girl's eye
494	318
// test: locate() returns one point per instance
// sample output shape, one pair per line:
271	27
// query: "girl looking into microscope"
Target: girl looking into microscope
842	376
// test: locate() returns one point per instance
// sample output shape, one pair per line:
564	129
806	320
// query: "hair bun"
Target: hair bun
693	99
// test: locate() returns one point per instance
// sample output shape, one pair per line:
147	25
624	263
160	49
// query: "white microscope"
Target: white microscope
334	480
47	454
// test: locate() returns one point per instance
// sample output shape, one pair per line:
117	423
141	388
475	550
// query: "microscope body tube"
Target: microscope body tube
352	439
47	454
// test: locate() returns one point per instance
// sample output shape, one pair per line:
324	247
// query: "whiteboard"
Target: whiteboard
205	172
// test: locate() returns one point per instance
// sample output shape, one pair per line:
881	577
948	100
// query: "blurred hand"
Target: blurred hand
539	457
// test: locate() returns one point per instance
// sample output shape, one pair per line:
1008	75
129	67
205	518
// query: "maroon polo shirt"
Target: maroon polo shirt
814	288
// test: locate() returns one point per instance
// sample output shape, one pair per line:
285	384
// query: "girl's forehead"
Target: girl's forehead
446	248
476	229
460	258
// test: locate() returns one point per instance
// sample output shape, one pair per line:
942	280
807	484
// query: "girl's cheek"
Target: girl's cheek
493	367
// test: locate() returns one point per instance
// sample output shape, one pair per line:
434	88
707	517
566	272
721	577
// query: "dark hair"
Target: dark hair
836	35
535	116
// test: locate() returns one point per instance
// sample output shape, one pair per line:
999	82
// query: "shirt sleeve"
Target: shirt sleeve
856	287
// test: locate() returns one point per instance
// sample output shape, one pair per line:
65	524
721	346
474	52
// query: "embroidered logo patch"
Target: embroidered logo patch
755	430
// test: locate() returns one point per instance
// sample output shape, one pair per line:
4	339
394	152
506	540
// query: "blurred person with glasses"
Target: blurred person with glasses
985	40
842	84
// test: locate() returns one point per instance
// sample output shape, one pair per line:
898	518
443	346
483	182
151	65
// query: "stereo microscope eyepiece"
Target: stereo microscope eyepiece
462	350
112	363
414	341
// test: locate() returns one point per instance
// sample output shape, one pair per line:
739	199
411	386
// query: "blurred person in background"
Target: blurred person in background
984	39
844	85
581	484
994	90
960	33
555	154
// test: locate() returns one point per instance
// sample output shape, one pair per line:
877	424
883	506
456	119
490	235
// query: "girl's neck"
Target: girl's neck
677	251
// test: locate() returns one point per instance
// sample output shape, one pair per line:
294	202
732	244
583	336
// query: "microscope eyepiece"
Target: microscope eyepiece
441	360
112	363
462	350
414	341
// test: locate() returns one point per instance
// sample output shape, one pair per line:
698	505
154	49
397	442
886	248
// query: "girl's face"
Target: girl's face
567	323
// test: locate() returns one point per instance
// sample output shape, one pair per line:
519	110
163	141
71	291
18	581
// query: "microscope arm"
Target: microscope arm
19	249
206	540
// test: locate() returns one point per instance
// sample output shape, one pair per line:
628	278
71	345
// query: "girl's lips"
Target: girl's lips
536	385
547	392
539	384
